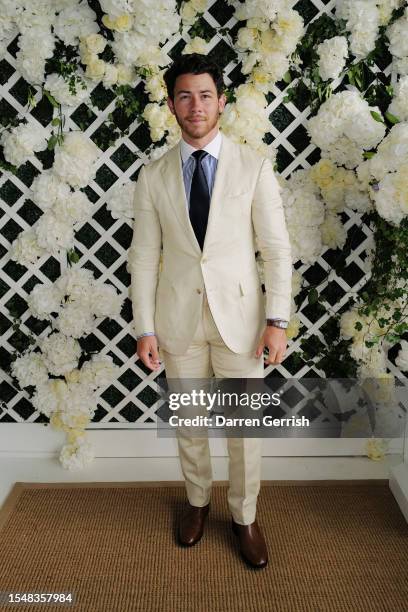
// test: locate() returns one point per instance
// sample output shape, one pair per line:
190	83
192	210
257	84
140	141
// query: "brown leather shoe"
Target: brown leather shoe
191	526
251	544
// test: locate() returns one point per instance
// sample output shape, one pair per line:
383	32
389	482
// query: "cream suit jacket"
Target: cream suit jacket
245	206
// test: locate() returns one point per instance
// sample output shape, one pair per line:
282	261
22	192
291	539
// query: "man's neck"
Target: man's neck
200	143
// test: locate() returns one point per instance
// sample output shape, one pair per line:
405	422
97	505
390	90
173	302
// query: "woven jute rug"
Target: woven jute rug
339	547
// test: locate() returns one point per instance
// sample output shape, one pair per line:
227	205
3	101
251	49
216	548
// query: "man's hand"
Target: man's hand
147	351
276	341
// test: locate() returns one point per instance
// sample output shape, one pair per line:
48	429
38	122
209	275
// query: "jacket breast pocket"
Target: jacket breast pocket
238	203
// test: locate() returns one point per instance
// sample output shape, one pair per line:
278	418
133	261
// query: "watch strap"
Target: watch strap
281	323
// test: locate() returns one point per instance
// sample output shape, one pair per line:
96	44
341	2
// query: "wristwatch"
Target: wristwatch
281	323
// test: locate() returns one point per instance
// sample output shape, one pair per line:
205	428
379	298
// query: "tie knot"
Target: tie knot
199	155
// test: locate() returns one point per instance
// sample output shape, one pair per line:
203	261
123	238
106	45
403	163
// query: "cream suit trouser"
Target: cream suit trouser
208	355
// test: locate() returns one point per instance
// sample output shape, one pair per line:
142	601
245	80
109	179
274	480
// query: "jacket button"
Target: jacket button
198	290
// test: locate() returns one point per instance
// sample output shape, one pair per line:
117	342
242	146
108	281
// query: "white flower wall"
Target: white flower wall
83	108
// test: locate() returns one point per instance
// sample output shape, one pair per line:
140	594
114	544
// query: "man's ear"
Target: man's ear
170	104
222	100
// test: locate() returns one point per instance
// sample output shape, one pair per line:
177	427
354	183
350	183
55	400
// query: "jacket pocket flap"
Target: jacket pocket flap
250	283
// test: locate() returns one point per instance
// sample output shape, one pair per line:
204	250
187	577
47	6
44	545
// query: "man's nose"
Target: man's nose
196	103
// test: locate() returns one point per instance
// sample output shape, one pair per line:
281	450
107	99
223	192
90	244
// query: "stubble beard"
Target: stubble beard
197	133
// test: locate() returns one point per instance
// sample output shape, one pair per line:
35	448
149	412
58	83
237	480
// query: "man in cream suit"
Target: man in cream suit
204	202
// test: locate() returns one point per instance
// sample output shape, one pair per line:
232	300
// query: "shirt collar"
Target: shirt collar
213	147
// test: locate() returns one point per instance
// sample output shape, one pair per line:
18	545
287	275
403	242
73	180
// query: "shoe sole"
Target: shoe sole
187	544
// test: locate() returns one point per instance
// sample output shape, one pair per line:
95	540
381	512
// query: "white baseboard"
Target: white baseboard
33	439
158	469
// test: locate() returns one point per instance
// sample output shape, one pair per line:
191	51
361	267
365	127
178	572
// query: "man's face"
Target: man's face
196	104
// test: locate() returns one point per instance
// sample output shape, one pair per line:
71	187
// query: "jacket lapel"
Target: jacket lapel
172	174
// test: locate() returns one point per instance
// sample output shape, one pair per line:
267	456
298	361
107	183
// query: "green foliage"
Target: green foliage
313	296
65	62
376	116
230	94
129	107
391	118
128	101
58	122
4	165
201	28
312	91
72	256
389	280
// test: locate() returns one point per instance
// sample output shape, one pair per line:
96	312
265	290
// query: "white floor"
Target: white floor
134	469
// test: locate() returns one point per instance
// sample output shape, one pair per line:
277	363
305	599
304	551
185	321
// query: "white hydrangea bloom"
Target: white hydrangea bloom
25	248
246	120
60	353
75	22
30	59
334	233
75	320
100	371
196	45
47	188
261	9
115	8
348	321
400	65
74	209
76	282
53	234
333	53
373	360
9	12
304	213
30	369
363	21
152	23
22	141
399	103
75	457
120	199
43	300
75	159
297	281
397	34
344	127
385	9
105	301
77	402
391	197
45	399
59	89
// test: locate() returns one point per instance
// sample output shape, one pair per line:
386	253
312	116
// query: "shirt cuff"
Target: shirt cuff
145	334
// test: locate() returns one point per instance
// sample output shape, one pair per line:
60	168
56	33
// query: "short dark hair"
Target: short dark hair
194	63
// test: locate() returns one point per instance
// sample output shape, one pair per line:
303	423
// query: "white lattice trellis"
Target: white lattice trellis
102	242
